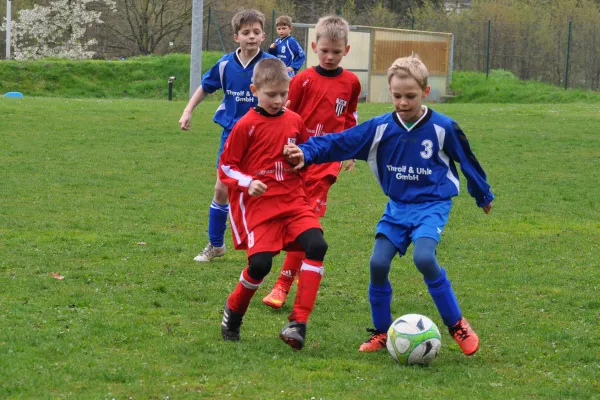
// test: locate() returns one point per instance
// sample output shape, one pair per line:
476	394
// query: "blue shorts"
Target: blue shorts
224	137
404	223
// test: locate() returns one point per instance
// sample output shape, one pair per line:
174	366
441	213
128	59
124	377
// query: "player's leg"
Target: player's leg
426	237
317	192
380	292
252	276
217	217
291	266
309	280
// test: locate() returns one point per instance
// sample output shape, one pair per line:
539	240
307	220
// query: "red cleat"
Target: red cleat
465	336
375	343
276	299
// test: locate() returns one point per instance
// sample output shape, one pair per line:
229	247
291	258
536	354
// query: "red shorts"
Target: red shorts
280	234
317	192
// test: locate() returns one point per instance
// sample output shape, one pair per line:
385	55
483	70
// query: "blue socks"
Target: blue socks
444	299
380	297
217	223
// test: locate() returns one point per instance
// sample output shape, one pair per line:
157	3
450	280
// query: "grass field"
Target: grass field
84	182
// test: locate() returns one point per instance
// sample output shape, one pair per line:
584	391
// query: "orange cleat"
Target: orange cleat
465	336
375	343
276	299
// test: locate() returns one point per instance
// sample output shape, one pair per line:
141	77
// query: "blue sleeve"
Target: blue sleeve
353	143
457	147
299	56
211	80
273	51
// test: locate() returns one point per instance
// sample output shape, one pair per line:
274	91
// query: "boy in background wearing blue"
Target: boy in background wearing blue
233	74
286	47
412	153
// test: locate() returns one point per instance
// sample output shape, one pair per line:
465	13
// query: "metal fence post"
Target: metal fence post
8	28
208	28
568	54
487	61
273	26
219	33
412	23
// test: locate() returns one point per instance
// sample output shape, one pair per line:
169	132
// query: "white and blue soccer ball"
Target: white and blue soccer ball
413	339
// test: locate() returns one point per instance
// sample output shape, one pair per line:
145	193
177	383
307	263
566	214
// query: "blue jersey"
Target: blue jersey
234	78
290	52
412	165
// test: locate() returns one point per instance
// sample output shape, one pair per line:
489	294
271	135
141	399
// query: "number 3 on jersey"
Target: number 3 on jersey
427	152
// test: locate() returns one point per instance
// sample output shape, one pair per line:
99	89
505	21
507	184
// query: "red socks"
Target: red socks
308	286
240	298
290	269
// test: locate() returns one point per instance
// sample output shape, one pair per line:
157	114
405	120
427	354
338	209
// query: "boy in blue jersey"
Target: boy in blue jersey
286	47
412	153
233	74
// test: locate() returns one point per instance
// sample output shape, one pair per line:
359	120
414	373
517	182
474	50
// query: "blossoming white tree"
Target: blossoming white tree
56	30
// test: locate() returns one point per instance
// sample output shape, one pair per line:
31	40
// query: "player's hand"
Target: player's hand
290	69
488	209
350	165
256	188
294	156
272	46
287	104
184	121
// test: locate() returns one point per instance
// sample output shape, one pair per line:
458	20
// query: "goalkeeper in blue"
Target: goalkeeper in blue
412	152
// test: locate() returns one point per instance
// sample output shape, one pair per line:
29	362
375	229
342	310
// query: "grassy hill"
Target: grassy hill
146	78
503	87
139	77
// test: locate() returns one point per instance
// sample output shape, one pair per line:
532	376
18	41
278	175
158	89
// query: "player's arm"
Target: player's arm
211	82
186	117
352	119
273	48
230	172
295	94
353	143
457	147
352	111
298	53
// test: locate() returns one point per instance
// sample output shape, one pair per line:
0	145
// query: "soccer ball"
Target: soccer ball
413	339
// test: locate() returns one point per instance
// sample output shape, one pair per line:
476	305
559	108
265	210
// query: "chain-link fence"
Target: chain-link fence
569	57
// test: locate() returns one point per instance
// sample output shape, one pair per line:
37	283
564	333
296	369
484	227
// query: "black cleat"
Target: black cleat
293	334
230	325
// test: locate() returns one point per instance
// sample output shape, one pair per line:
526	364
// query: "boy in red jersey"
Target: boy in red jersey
326	97
269	209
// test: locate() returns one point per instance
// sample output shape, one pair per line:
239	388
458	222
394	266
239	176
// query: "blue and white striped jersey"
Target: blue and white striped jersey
412	165
290	52
234	78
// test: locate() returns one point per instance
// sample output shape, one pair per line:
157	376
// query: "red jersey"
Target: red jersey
254	150
327	102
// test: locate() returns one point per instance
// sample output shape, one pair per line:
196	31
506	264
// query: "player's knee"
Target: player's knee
316	248
259	265
426	263
221	196
380	268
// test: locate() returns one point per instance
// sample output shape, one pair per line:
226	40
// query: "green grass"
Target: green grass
503	87
138	77
83	181
147	77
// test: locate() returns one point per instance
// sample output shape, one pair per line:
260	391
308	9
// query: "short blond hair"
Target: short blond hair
284	20
247	17
409	67
268	71
332	27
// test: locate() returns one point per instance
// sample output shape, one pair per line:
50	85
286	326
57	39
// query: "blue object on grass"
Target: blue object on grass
14	94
